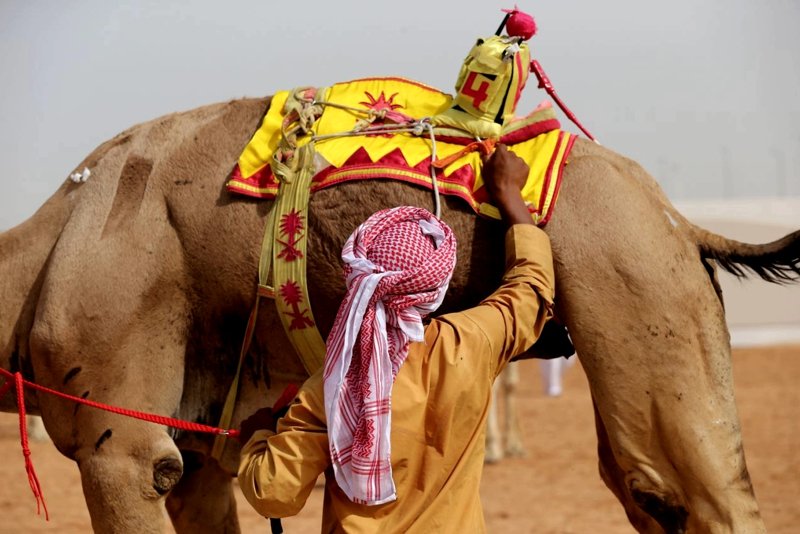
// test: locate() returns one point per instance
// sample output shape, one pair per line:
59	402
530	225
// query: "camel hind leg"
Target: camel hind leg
651	336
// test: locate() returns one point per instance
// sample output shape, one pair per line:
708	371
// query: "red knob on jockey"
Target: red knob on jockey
518	24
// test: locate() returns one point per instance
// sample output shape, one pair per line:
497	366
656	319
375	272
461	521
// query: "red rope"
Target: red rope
15	379
33	480
144	416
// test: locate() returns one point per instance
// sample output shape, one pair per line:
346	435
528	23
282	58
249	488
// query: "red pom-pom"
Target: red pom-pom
520	24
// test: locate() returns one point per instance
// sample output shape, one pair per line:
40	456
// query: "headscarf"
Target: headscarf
398	265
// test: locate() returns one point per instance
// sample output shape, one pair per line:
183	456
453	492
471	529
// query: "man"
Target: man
424	474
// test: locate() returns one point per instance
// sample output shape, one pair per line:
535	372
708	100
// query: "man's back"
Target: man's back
439	406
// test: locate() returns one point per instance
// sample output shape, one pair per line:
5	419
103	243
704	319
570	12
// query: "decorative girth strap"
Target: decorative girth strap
289	243
283	248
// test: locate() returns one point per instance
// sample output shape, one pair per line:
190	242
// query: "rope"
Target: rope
426	125
366	128
33	480
144	416
16	380
370	131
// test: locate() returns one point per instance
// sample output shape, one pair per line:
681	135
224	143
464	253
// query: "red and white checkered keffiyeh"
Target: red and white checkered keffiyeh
398	265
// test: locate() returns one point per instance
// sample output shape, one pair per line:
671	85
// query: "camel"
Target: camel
134	288
504	434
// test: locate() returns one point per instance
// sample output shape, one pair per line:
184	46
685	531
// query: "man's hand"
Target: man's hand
505	174
263	419
267	418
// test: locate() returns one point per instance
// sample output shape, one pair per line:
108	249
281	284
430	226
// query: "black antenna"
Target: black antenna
502	24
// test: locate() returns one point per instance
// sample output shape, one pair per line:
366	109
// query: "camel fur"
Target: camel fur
133	288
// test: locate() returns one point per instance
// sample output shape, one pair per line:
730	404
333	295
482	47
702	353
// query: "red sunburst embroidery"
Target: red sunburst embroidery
381	102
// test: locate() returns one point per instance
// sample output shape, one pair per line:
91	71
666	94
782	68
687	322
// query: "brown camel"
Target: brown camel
134	287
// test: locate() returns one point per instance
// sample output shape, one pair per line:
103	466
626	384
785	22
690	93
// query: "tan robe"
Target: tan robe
440	401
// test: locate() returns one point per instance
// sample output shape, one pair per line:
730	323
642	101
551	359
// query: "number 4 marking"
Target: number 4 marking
478	95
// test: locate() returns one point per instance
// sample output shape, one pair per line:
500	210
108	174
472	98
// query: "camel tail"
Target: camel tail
777	262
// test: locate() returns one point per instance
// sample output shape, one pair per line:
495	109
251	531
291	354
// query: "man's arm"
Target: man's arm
278	471
511	319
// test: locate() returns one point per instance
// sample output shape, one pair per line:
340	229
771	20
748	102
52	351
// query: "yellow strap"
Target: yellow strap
283	249
289	261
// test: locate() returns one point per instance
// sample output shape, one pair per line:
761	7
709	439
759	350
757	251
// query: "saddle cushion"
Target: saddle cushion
536	138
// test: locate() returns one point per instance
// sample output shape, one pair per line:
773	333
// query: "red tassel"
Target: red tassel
26	452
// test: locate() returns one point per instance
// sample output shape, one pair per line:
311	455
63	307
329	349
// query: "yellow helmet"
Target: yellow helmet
489	86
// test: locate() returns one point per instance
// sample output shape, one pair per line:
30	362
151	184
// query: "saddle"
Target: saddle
365	129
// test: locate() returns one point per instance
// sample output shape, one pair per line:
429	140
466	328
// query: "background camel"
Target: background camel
133	289
503	425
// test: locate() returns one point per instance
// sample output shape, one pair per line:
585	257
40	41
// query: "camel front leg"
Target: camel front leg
504	390
125	349
203	501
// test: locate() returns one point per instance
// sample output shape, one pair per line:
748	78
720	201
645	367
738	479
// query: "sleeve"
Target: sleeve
511	319
277	471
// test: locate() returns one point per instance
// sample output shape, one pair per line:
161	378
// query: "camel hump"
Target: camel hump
777	262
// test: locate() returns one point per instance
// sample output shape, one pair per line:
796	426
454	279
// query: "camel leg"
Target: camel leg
514	445
551	376
494	438
36	430
203	501
652	337
504	390
112	327
613	476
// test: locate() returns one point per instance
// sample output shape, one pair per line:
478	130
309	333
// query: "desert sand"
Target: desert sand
554	489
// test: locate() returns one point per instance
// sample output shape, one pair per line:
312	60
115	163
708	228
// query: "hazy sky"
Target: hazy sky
703	92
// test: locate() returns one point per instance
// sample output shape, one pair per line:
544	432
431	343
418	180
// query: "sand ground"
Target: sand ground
554	489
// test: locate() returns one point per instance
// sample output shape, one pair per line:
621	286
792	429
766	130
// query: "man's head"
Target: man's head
401	246
410	254
398	266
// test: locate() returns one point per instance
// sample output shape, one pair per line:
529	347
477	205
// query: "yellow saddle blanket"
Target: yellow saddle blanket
536	138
